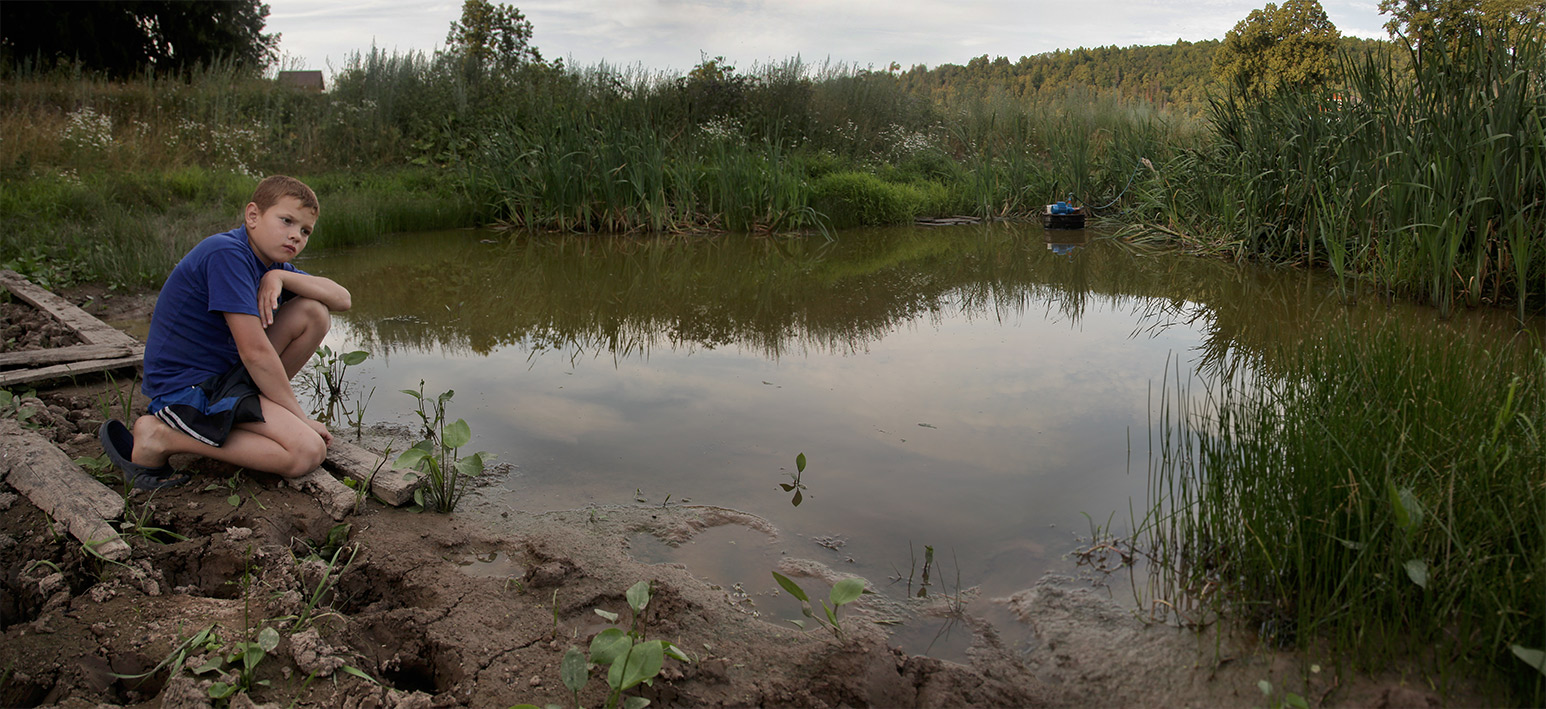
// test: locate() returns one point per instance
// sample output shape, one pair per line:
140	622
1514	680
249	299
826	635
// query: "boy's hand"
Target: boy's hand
269	291
321	429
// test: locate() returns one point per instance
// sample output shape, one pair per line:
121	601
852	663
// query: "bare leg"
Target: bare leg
298	329
281	444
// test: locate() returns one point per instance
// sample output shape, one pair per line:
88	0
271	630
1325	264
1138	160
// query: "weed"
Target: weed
797	487
630	659
330	390
843	592
11	407
436	455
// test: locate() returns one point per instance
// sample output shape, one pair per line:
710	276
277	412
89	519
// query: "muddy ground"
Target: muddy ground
410	609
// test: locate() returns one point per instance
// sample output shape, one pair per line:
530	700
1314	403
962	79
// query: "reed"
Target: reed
1423	179
1378	492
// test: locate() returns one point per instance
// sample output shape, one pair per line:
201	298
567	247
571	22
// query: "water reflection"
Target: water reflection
966	389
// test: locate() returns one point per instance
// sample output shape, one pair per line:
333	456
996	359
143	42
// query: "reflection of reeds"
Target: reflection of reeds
1379	491
624	296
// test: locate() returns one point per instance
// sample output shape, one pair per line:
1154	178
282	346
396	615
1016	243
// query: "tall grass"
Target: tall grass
1378	491
1426	179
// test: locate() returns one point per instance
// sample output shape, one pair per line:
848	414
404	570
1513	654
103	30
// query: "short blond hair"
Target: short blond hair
273	187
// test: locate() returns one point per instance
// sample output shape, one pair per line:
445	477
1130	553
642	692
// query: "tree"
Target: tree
1450	24
491	37
126	37
1291	45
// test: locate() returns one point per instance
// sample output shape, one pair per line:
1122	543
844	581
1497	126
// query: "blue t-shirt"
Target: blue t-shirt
189	340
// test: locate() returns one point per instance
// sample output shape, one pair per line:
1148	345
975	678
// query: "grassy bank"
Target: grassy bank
1377	492
1427	182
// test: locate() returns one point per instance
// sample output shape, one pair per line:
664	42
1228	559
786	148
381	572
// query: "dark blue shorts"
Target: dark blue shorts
208	410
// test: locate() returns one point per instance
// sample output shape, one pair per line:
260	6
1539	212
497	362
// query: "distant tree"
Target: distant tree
125	37
491	37
1449	24
1291	45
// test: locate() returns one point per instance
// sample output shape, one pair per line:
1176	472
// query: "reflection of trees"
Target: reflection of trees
626	296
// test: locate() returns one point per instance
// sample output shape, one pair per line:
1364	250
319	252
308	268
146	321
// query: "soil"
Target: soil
477	609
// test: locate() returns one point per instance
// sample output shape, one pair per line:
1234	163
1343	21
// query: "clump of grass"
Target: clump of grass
1380	492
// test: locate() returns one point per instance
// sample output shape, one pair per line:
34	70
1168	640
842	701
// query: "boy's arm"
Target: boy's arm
305	285
267	371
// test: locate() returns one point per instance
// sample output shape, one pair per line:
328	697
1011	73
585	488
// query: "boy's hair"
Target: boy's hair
274	187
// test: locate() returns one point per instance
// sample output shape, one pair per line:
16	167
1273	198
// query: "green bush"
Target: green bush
850	199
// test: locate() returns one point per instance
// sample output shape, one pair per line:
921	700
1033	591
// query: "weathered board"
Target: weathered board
71	369
42	472
335	497
394	486
73	353
91	330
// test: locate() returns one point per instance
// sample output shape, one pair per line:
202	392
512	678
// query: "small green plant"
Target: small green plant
314	600
630	659
206	640
843	592
796	487
436	455
11	406
329	388
243	659
1289	700
137	521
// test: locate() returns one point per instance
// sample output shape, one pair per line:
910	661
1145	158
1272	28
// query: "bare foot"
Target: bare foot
150	442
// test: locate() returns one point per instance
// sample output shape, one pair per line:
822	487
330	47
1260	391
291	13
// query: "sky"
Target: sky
674	35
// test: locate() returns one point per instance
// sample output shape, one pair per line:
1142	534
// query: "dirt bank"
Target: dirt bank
406	609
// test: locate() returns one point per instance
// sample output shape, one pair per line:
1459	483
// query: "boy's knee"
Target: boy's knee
313	311
305	457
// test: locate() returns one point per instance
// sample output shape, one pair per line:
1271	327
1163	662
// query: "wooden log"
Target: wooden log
394	486
91	330
60	371
335	497
42	472
74	353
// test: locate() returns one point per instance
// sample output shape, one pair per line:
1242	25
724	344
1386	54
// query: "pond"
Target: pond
987	391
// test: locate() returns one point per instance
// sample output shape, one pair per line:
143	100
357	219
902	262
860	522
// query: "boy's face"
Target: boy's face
278	234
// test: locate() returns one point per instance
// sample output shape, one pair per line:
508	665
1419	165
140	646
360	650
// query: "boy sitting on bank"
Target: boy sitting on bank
233	324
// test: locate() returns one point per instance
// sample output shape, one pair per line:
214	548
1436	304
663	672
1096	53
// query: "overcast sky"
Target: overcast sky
673	35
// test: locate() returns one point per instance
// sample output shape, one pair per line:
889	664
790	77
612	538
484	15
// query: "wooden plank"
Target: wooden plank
42	472
335	497
60	371
91	330
74	353
395	486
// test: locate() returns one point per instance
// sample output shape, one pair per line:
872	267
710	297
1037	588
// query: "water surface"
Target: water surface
980	389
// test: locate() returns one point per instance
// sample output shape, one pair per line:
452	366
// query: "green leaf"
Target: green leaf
631	702
1532	657
1295	701
787	487
790	586
847	591
609	615
1409	512
799	463
221	690
643	663
798	624
574	670
357	672
457	434
355	357
798	498
411	458
1417	570
471	466
676	652
252	656
234	500
1265	687
213	664
608	645
412	393
268	639
639	596
831	614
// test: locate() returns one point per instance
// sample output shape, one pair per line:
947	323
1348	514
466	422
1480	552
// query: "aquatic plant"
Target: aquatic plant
1376	492
436	454
843	592
630	659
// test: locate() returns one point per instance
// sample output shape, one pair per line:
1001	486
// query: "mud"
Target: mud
405	609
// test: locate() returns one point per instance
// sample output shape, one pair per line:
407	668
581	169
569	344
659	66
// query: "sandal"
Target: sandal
119	445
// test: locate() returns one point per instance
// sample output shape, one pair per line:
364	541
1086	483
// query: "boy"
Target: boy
233	324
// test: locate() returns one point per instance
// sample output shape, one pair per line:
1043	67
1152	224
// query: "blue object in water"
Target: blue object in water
1061	208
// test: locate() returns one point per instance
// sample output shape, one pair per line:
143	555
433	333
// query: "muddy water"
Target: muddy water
986	391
